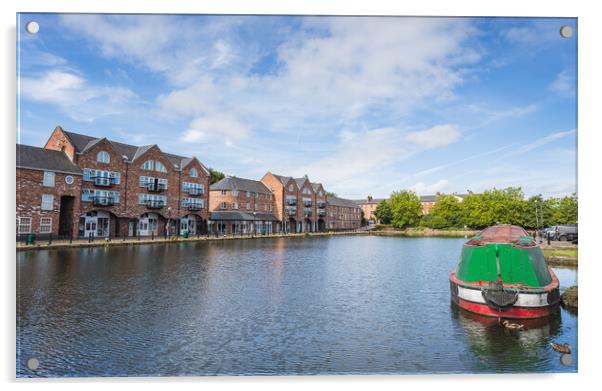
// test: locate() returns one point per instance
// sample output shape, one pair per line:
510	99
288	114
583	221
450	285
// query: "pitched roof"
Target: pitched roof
249	216
336	201
372	201
300	181
83	142
240	184
429	198
283	179
45	159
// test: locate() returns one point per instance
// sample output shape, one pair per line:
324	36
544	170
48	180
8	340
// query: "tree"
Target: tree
331	194
363	218
445	213
503	206
215	176
567	209
406	208
383	212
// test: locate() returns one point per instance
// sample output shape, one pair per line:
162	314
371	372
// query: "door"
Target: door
66	216
102	225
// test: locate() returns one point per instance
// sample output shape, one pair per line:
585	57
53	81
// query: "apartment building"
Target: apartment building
241	206
343	214
123	189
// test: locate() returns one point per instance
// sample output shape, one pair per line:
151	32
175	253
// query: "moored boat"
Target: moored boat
502	273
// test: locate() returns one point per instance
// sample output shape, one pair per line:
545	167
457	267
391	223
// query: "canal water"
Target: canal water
278	306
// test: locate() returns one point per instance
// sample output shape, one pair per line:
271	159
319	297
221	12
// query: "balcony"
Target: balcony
307	212
321	213
103	201
156	187
193	206
307	204
194	191
321	205
103	181
155	204
291	211
290	201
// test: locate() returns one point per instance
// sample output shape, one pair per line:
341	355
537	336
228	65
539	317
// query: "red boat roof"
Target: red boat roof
499	234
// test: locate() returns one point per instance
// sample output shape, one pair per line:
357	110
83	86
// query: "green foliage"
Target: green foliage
503	206
406	208
363	218
331	194
383	212
216	176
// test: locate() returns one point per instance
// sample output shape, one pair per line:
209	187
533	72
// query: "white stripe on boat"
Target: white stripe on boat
524	299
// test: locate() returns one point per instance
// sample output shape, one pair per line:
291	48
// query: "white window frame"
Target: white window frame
235	193
223	205
48	225
160	167
193	173
22	224
234	205
49	178
148	165
45	206
103	157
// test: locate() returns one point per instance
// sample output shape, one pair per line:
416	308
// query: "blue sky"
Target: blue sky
365	105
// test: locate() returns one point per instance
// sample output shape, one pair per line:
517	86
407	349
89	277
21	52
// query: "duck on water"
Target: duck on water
502	273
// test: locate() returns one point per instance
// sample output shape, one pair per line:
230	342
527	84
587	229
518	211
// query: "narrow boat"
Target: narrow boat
502	273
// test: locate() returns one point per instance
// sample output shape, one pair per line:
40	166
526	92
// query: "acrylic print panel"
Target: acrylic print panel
290	195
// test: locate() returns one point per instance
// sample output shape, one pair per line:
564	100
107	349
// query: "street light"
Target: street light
168	220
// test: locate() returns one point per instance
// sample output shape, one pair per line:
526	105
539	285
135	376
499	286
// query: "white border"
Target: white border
590	128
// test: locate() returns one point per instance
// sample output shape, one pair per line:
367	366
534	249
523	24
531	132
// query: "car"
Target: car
564	233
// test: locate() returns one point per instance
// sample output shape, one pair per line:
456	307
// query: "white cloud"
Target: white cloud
564	83
422	188
75	96
437	136
215	128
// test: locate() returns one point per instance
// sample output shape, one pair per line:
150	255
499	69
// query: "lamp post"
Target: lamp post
168	220
254	223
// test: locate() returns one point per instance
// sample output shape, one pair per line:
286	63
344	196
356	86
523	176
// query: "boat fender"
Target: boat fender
496	297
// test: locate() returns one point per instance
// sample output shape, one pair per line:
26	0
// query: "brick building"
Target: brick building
343	214
368	206
128	190
241	206
48	192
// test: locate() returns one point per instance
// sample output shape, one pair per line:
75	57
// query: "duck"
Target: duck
512	326
564	348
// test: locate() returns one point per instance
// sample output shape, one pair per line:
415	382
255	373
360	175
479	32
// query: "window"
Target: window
248	205
45	225
69	180
193	172
47	201
235	193
222	205
290	188
48	179
224	192
148	165
24	225
248	194
234	205
103	157
160	166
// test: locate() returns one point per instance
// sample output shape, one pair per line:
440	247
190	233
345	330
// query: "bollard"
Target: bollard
138	235
71	238
50	239
152	235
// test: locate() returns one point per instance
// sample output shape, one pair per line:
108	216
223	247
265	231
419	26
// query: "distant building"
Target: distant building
343	214
368	206
428	201
241	206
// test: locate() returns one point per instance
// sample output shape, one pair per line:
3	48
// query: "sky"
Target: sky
364	105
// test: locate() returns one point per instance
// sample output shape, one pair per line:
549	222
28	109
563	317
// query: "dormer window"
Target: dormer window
193	172
148	165
103	157
160	166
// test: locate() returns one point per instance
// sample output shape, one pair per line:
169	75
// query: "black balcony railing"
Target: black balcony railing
103	181
291	202
155	204
103	201
156	187
291	211
322	213
193	191
321	205
307	204
193	206
307	212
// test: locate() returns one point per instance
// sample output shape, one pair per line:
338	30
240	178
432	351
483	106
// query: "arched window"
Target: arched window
159	166
193	172
148	165
103	157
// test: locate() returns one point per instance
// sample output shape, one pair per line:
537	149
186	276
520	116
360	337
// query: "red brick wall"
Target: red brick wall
202	178
257	203
343	217
29	197
273	183
58	141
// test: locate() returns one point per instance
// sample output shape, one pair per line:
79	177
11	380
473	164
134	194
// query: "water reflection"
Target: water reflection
330	305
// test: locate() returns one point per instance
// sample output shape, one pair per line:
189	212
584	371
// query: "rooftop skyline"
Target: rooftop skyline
364	105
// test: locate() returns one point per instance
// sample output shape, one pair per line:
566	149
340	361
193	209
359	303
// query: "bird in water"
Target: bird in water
512	326
564	348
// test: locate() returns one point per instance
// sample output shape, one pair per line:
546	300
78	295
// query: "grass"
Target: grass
570	297
564	257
